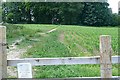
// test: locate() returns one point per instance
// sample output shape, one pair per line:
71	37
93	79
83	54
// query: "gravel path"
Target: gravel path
15	53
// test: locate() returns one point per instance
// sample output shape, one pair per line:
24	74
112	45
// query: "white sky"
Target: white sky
114	5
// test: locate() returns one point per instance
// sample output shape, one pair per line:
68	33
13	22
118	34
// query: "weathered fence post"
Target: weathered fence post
3	55
105	56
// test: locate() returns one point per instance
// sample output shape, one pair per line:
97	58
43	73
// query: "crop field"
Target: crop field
65	41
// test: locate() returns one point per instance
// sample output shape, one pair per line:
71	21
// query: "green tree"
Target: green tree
96	14
10	18
11	10
91	14
70	12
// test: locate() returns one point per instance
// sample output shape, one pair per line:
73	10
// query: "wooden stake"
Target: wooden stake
105	56
3	55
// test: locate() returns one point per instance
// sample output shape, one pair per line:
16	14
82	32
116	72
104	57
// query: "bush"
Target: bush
115	20
10	17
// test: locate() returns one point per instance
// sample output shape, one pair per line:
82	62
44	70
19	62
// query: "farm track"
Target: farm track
75	47
45	33
61	37
72	48
83	48
15	53
75	43
78	43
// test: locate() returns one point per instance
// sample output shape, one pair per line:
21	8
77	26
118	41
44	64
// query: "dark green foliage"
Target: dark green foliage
115	19
0	13
118	19
10	17
96	14
66	13
90	14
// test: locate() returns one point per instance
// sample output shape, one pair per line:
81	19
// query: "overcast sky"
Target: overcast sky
114	5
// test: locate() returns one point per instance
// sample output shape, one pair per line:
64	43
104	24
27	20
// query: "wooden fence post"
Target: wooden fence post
3	55
105	56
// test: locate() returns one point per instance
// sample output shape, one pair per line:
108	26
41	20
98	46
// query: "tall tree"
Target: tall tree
96	14
91	14
11	12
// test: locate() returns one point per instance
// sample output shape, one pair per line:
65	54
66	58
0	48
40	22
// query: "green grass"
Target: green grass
38	27
76	41
88	38
27	31
16	32
71	71
67	71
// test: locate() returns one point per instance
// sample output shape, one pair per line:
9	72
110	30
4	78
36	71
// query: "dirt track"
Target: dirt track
14	52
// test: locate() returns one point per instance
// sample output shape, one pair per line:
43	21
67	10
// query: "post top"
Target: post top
105	36
1	26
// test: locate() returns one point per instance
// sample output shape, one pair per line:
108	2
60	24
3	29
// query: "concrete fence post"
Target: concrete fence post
105	56
3	55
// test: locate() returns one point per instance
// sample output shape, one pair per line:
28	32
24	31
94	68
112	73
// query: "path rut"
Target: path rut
14	52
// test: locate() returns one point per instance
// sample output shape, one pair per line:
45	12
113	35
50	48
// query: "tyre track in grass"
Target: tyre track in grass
73	38
15	53
61	37
95	51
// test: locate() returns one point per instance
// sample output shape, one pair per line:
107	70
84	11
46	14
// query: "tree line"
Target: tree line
90	14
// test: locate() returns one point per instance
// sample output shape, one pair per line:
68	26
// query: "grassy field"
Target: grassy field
66	41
